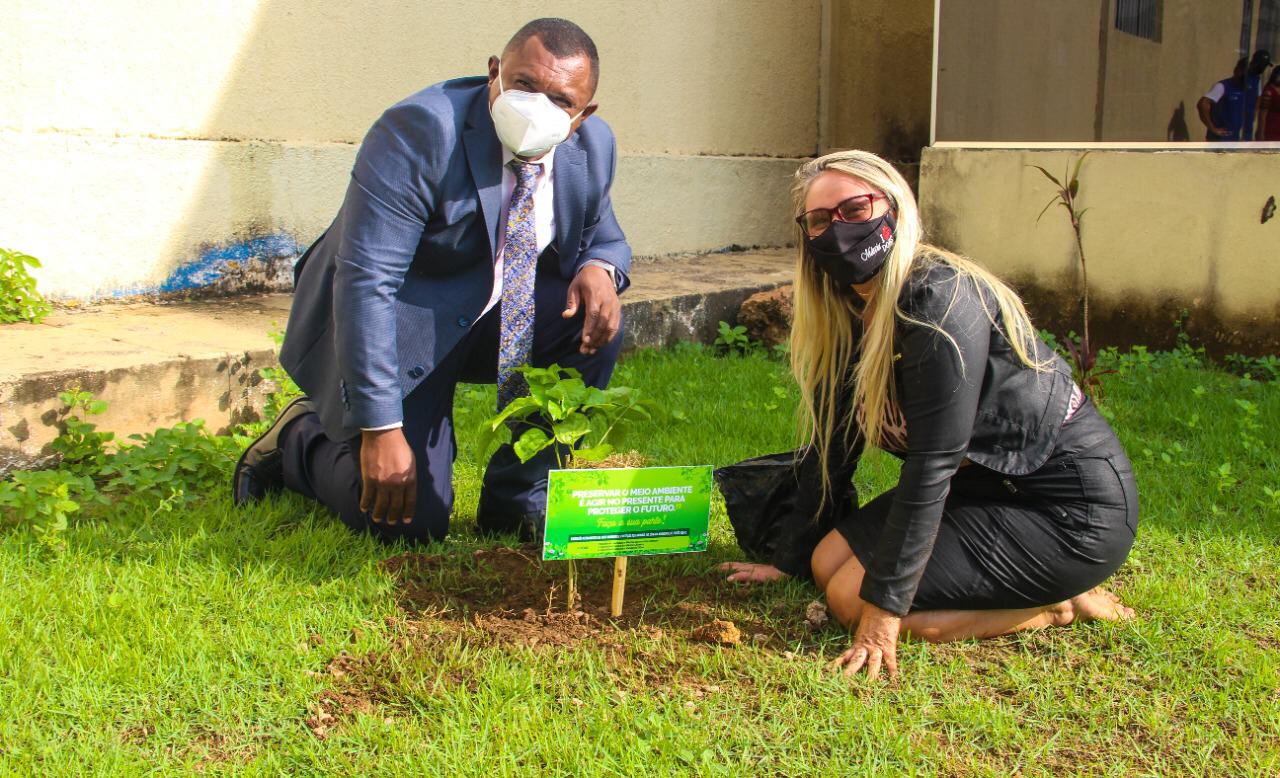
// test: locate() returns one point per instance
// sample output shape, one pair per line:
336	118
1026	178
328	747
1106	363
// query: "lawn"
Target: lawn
168	636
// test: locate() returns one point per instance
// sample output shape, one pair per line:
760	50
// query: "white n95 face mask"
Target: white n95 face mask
528	123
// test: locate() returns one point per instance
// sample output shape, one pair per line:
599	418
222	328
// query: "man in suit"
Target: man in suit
476	235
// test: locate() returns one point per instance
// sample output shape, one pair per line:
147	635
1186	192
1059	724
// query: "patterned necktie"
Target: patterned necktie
519	265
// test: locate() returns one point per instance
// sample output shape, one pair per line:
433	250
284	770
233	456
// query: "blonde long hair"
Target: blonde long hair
823	341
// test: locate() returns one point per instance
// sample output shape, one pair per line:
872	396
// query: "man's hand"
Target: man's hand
593	291
747	572
390	477
874	645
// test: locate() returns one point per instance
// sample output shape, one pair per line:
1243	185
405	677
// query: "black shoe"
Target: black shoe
533	528
260	469
530	526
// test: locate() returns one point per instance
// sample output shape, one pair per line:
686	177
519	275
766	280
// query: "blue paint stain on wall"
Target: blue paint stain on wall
260	262
213	264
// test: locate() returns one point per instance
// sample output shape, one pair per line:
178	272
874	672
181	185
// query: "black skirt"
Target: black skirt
1023	541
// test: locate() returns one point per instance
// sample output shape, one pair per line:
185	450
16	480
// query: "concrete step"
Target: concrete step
159	363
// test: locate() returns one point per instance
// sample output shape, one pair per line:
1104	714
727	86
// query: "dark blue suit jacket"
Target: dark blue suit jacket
406	268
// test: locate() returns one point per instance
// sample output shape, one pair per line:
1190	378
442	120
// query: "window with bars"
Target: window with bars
1269	28
1139	17
1246	27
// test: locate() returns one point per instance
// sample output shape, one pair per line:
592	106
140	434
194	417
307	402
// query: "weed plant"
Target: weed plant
19	300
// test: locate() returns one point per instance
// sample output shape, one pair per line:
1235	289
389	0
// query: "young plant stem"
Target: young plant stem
1084	282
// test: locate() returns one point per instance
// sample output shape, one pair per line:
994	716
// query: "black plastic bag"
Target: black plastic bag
773	515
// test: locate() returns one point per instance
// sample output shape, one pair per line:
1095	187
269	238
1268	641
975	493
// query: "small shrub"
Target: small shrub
561	409
734	340
83	449
19	300
563	413
1265	368
159	470
46	499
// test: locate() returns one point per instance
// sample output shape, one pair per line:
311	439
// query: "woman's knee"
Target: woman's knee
843	597
828	557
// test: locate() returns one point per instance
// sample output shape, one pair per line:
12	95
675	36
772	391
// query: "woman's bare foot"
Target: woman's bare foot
1098	603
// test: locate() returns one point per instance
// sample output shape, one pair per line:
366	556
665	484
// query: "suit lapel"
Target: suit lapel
484	158
570	202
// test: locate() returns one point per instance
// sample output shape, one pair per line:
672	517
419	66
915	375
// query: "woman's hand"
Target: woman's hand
875	645
747	572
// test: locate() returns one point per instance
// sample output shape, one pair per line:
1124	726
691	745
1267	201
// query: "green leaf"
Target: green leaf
594	398
531	443
517	408
1075	174
1048	175
1047	206
594	453
571	392
569	431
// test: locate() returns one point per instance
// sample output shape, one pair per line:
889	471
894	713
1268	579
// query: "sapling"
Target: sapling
1067	194
579	423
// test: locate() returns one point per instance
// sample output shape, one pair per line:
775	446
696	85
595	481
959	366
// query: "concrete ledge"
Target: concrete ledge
157	364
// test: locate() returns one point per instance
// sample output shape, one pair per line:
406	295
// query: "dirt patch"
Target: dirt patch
509	600
208	749
511	594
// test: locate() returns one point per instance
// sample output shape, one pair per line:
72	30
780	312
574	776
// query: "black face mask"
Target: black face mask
853	252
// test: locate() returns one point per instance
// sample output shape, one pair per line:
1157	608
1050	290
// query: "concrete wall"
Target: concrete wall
167	146
1018	70
1166	230
881	71
1046	70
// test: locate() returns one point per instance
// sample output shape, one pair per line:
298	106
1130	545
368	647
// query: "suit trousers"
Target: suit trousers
329	470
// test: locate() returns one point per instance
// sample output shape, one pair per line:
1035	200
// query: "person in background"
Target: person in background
1227	108
1269	109
1015	499
477	235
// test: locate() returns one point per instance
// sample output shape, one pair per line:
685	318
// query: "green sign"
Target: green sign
627	512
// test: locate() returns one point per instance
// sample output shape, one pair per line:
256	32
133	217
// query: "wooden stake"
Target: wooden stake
619	585
573	586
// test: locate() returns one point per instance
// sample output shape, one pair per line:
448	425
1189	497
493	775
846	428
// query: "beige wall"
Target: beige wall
1017	69
881	70
1165	230
156	137
1029	70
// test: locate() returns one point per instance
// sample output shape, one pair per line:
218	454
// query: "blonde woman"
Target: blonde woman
1015	498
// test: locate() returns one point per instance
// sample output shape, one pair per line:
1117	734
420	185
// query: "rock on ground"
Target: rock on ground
718	632
767	315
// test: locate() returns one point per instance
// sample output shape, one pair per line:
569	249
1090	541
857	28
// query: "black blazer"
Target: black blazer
980	404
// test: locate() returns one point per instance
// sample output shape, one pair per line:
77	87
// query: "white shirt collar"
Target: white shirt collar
547	161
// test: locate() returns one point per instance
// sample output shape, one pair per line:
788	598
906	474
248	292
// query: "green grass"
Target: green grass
158	642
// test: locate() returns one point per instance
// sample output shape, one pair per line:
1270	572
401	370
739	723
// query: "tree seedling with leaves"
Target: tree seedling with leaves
580	423
1083	355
